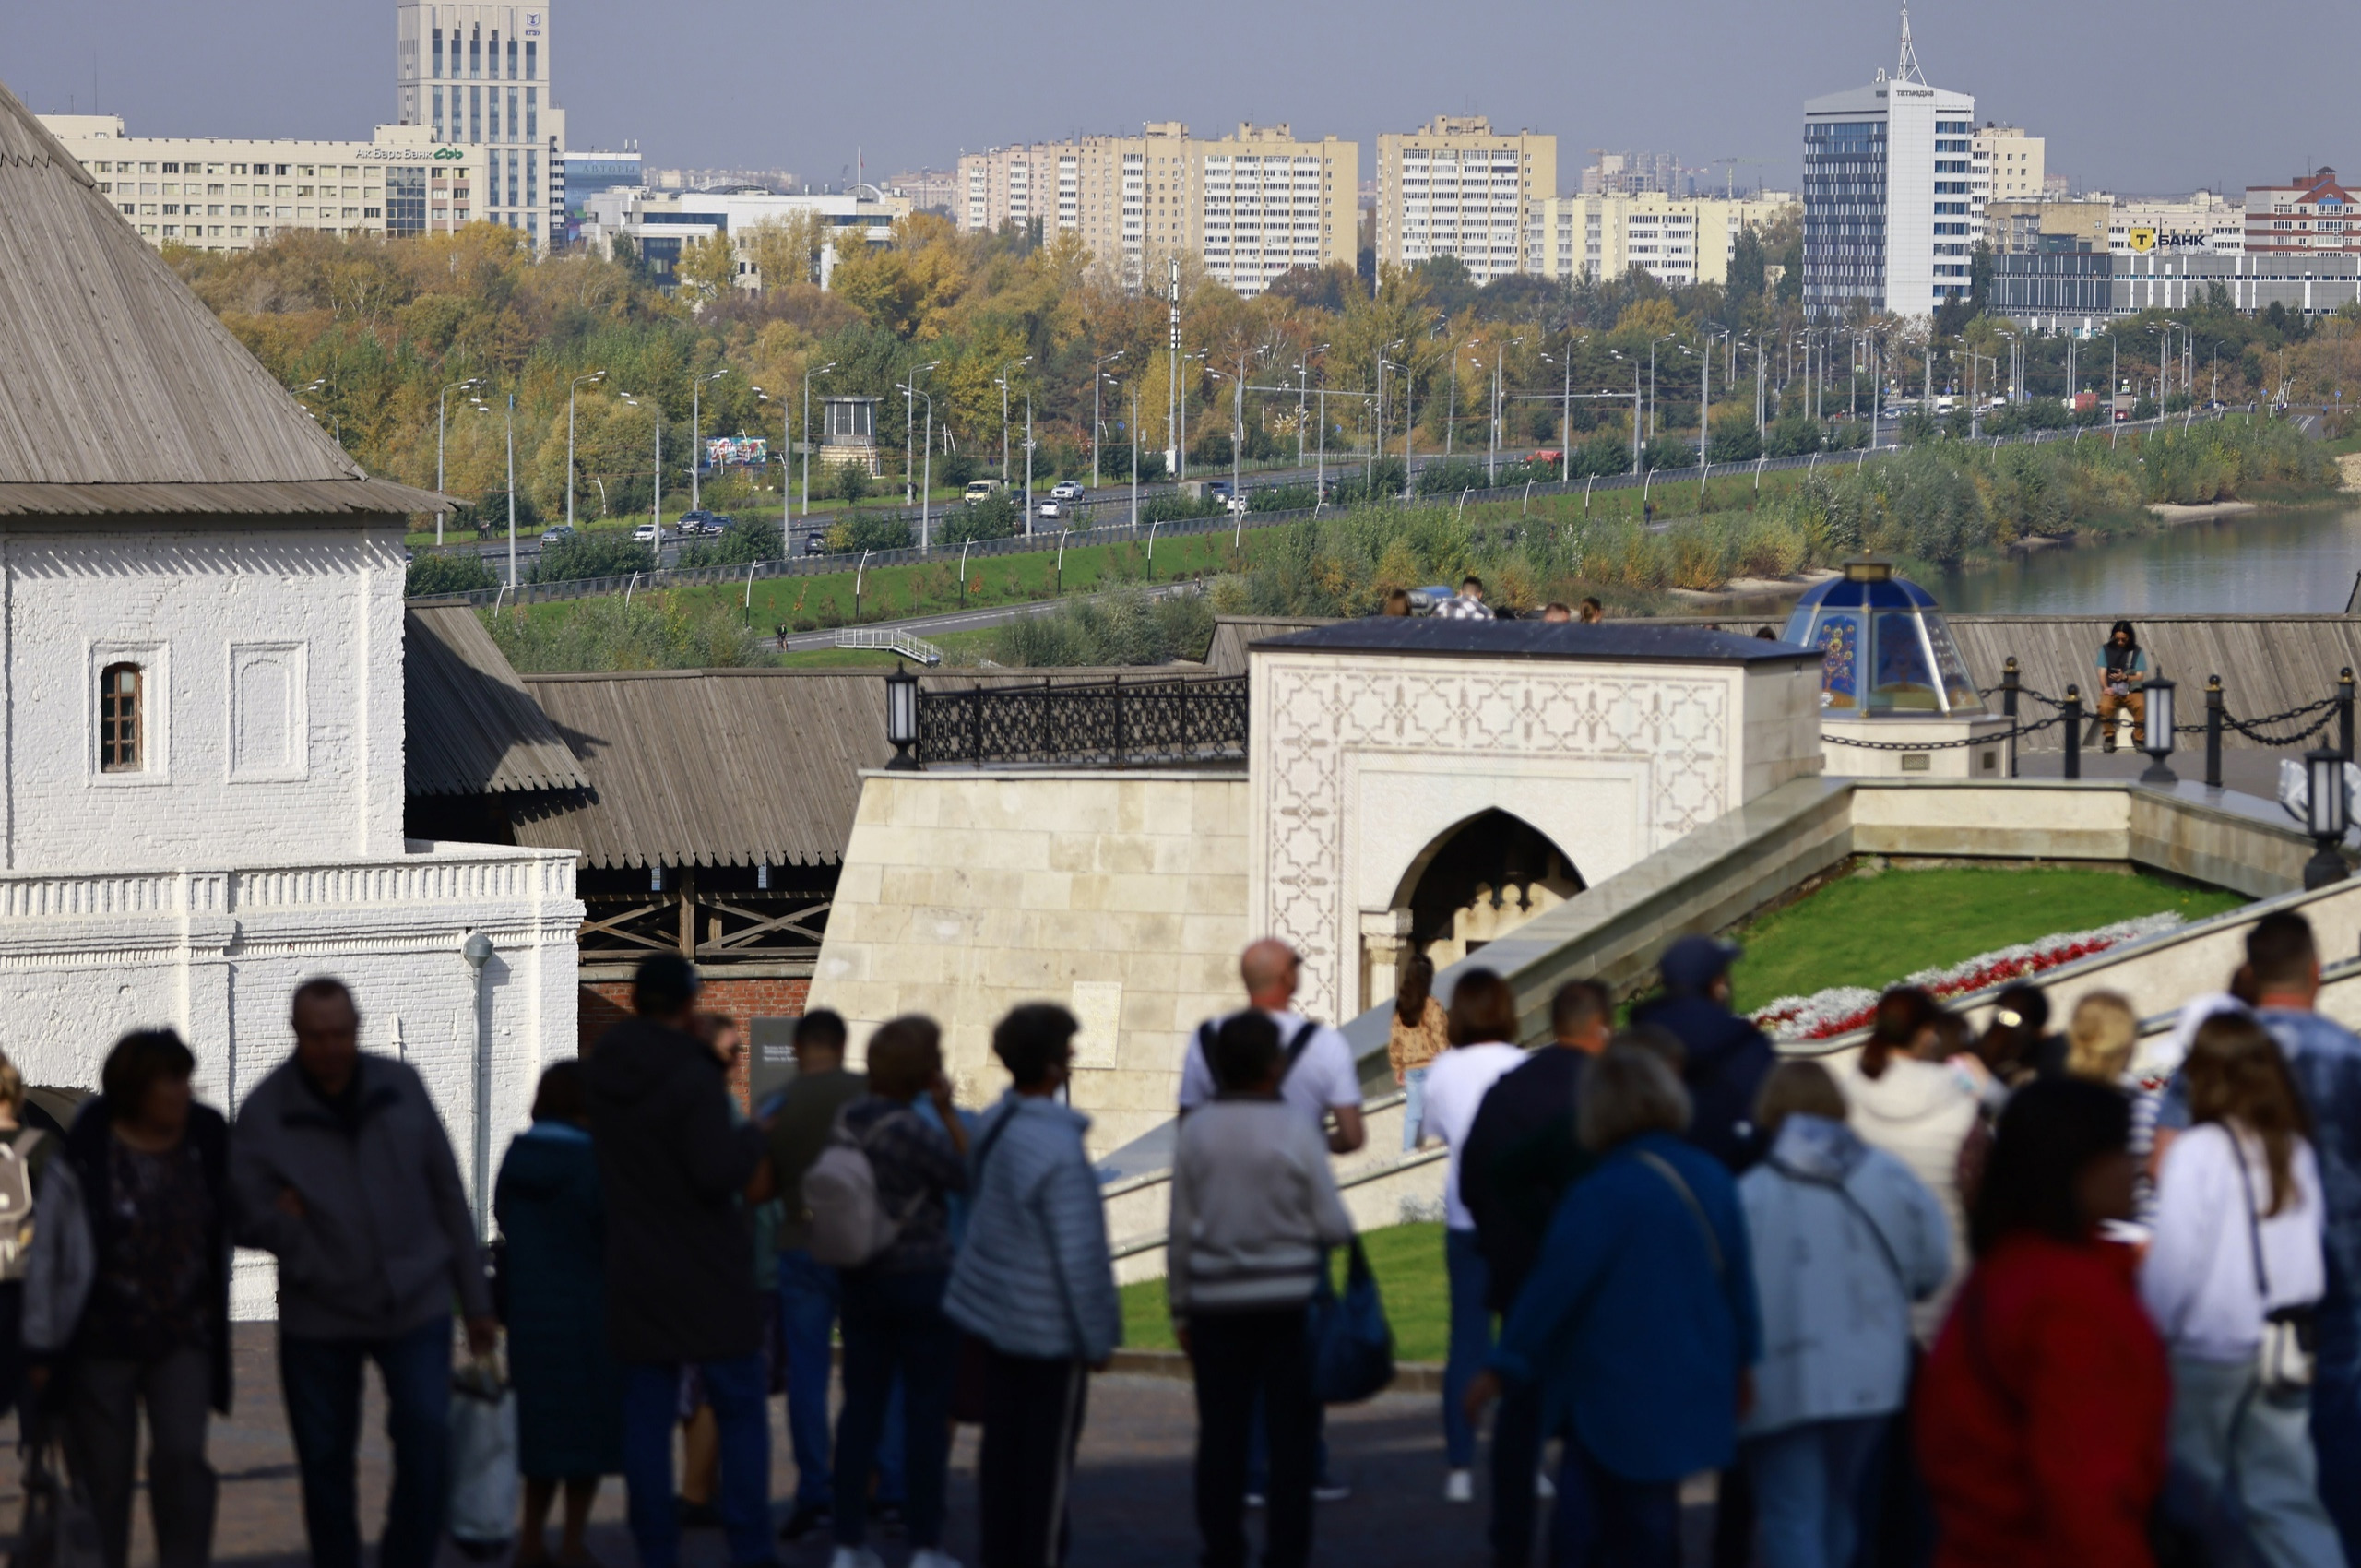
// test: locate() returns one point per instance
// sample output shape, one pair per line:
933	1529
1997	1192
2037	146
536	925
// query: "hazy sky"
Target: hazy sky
2157	96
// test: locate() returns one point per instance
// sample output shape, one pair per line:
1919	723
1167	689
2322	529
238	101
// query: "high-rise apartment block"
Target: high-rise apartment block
1891	218
2009	164
1674	240
2310	213
1632	173
1456	188
1249	206
480	76
227	193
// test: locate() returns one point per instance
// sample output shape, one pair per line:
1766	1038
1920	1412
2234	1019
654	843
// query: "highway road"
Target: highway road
931	626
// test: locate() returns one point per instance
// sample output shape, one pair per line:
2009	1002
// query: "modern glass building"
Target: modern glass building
1890	218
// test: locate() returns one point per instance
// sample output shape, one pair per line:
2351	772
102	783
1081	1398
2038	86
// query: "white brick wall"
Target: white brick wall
190	606
262	843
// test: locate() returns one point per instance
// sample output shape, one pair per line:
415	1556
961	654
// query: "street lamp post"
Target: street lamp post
1136	453
1001	382
696	445
656	511
808	374
595	378
510	420
1096	367
468	384
926	483
910	468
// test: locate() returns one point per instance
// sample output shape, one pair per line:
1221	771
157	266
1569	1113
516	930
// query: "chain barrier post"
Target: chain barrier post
2344	712
2213	732
2008	707
2070	715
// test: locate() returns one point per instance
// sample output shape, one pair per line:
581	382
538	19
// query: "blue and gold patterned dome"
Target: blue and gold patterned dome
1883	649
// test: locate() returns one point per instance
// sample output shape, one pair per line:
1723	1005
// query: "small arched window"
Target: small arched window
121	722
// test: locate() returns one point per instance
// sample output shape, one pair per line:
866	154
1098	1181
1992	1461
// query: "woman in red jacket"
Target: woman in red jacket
2041	1413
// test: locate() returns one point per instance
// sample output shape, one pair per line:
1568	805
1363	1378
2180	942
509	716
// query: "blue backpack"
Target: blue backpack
1351	1343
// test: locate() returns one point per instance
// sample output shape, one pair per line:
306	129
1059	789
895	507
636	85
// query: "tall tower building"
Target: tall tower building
480	76
1457	188
1891	215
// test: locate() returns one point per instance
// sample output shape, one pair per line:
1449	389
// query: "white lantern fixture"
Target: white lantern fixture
902	718
2156	732
2324	816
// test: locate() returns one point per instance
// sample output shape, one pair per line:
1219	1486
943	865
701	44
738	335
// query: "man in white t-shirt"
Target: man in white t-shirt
1321	1081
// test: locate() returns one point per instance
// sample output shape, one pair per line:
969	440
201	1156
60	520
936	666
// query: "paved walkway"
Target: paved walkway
1130	1498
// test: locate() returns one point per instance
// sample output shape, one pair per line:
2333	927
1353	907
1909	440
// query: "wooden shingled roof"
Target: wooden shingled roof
473	728
123	392
724	767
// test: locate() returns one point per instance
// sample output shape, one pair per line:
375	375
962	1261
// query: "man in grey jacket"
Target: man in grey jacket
1034	1283
341	1170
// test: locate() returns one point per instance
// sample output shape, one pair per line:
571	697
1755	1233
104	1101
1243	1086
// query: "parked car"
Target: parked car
645	533
1217	489
558	535
1066	489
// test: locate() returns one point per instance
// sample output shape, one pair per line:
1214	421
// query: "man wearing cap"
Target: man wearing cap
1728	1056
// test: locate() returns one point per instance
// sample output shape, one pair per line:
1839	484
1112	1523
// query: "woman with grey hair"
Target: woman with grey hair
1640	1322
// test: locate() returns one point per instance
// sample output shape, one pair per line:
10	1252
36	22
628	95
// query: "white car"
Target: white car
1050	508
644	534
1066	489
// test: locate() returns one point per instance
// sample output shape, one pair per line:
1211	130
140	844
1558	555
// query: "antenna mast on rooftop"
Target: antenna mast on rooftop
1908	70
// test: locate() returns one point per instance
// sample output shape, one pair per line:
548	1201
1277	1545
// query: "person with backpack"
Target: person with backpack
127	1297
25	1153
676	1174
1254	1206
876	1202
1035	1284
1844	1239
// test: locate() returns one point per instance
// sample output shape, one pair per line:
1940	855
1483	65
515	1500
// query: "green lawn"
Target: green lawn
1872	930
1409	1263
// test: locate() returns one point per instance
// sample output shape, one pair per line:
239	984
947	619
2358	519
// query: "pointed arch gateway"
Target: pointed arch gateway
1476	882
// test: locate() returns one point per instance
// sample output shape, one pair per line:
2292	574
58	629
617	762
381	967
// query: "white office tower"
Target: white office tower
480	76
1890	218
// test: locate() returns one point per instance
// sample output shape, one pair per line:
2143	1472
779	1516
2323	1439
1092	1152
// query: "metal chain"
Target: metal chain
2019	732
2246	727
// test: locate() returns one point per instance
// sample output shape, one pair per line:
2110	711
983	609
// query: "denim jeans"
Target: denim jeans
1604	1521
893	1324
321	1380
1414	1106
807	1309
1471	1341
1808	1489
740	1401
2238	1442
2336	1412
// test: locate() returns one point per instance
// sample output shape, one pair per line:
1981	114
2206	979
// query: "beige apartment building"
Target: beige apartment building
2021	227
1248	206
1456	188
2008	165
1676	240
221	193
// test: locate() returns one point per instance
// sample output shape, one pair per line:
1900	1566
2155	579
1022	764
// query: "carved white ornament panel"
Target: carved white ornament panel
1677	727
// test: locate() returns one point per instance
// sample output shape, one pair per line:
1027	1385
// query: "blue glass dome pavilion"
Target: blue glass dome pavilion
1884	651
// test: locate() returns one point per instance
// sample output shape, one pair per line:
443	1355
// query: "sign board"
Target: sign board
2141	239
753	451
770	1060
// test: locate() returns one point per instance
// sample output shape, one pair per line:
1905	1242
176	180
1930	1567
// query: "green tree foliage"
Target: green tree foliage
448	571
593	555
744	541
992	517
866	530
1124	627
653	632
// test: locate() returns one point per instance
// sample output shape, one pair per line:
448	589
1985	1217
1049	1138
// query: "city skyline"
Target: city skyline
1731	74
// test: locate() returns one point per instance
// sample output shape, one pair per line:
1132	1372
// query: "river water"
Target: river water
2271	562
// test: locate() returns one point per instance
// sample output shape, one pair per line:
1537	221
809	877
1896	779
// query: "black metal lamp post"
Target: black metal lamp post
2324	816
902	719
2157	727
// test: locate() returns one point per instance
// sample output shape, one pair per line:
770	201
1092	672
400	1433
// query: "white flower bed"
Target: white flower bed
1843	1008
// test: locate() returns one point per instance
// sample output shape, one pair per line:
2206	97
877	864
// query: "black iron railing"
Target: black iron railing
1114	723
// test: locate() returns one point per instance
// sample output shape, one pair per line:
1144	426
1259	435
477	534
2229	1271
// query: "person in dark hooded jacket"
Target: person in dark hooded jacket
1728	1057
672	1169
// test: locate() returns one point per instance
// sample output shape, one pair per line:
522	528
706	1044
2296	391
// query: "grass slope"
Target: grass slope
1407	1260
1872	930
